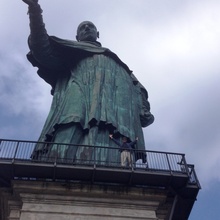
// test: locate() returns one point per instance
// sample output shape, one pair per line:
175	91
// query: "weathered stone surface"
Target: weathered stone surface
73	201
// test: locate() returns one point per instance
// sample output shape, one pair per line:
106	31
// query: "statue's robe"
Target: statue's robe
94	95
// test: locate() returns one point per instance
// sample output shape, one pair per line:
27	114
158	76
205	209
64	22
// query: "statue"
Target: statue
94	93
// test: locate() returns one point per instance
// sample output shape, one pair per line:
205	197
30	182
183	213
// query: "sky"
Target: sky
173	48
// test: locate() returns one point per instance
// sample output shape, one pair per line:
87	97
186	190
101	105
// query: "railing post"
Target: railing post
56	155
185	165
94	150
168	163
132	155
16	149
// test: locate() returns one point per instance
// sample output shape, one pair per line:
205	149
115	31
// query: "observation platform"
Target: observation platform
157	170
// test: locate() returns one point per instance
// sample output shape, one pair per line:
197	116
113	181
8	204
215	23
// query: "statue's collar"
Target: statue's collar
96	43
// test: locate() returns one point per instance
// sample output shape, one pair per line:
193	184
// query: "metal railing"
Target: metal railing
20	150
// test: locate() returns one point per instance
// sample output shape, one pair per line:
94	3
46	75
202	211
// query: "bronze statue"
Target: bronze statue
94	93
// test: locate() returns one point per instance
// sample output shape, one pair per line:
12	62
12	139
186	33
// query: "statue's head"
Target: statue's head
87	31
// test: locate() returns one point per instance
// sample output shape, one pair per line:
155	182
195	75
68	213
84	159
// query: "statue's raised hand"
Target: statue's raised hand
30	2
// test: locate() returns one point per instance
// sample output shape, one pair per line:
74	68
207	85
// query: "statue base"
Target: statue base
40	200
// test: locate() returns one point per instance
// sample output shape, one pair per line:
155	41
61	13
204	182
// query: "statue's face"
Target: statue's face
87	31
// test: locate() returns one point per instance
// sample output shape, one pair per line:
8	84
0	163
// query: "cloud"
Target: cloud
173	47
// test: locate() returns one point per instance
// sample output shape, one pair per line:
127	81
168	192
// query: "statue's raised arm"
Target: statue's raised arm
30	2
38	39
42	53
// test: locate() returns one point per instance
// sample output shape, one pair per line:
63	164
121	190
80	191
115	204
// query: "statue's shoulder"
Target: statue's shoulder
89	46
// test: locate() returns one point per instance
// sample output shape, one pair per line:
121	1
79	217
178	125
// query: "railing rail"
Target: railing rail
21	150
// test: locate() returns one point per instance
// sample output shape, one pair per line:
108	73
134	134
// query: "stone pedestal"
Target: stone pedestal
40	200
